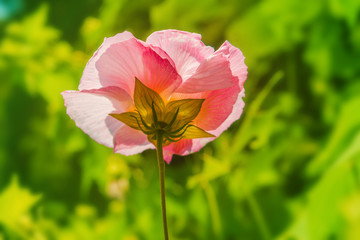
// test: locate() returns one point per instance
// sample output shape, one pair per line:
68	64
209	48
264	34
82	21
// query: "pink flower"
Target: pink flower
174	64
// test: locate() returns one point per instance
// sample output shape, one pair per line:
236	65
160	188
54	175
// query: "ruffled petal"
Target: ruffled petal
129	141
237	61
184	48
122	62
159	73
236	112
90	77
90	110
217	106
212	74
222	107
182	147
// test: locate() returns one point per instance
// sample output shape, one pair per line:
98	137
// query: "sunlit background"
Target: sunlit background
289	169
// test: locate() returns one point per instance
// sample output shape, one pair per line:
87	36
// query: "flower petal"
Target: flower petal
182	147
235	115
160	73
90	77
217	106
184	48
122	62
90	110
237	61
129	141
213	73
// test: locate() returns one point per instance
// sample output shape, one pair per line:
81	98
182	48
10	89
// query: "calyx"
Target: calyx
173	121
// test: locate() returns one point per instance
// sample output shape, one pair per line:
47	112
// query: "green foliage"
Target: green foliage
289	169
15	203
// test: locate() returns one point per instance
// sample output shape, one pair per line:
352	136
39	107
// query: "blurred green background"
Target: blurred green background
288	170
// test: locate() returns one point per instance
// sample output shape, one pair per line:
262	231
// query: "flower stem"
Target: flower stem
259	218
161	164
213	206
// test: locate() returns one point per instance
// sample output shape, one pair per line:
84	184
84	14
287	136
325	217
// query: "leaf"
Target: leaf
129	118
347	9
144	99
15	201
342	134
196	132
324	217
188	110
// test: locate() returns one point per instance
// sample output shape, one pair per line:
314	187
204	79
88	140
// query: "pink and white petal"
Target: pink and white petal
90	77
182	147
184	48
130	59
199	143
120	64
90	110
212	74
216	108
237	61
129	141
162	54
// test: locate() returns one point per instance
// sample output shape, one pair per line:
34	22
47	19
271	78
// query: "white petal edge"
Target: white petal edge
90	110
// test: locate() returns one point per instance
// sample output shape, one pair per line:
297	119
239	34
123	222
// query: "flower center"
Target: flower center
172	121
166	129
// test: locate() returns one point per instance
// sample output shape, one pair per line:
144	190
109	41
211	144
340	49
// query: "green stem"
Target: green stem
259	218
239	142
161	164
213	206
